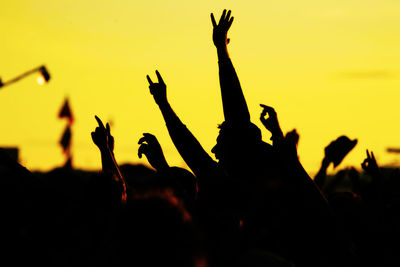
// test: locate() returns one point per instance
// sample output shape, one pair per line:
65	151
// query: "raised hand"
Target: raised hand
102	136
271	123
370	165
220	30
292	138
337	150
150	147
158	90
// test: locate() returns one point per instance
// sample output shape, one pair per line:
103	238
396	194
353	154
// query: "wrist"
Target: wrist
162	103
105	152
276	134
222	50
325	163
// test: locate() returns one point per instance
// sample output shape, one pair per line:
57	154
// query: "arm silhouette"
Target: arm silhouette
335	152
286	147
187	145
151	148
331	152
320	177
233	101
103	139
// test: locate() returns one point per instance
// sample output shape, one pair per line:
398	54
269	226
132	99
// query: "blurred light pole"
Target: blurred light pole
393	150
44	76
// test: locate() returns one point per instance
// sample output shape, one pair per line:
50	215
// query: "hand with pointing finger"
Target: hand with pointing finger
103	139
158	90
102	136
150	147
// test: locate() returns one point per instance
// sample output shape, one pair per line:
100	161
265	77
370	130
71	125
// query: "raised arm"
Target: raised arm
187	145
320	177
233	101
103	139
286	148
170	176
334	153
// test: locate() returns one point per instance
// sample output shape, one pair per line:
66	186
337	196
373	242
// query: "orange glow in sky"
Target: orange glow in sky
329	68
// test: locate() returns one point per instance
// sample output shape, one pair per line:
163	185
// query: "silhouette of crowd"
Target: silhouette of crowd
253	206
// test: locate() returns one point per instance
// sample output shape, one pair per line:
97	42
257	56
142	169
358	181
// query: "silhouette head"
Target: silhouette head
234	141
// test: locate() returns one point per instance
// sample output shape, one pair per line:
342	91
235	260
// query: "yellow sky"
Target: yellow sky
328	67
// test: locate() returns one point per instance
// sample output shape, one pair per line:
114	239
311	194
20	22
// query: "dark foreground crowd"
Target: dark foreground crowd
254	206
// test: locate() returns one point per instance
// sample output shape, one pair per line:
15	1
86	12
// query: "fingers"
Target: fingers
227	15
373	157
263	113
149	138
142	150
365	164
222	17
264	109
93	136
149	135
160	79
268	109
294	132
149	80
229	23
99	122
368	155
225	20
141	140
213	20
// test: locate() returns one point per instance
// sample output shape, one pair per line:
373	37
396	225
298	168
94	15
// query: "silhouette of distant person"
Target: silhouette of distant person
180	180
335	152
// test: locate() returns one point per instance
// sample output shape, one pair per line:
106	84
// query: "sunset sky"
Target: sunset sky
329	68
